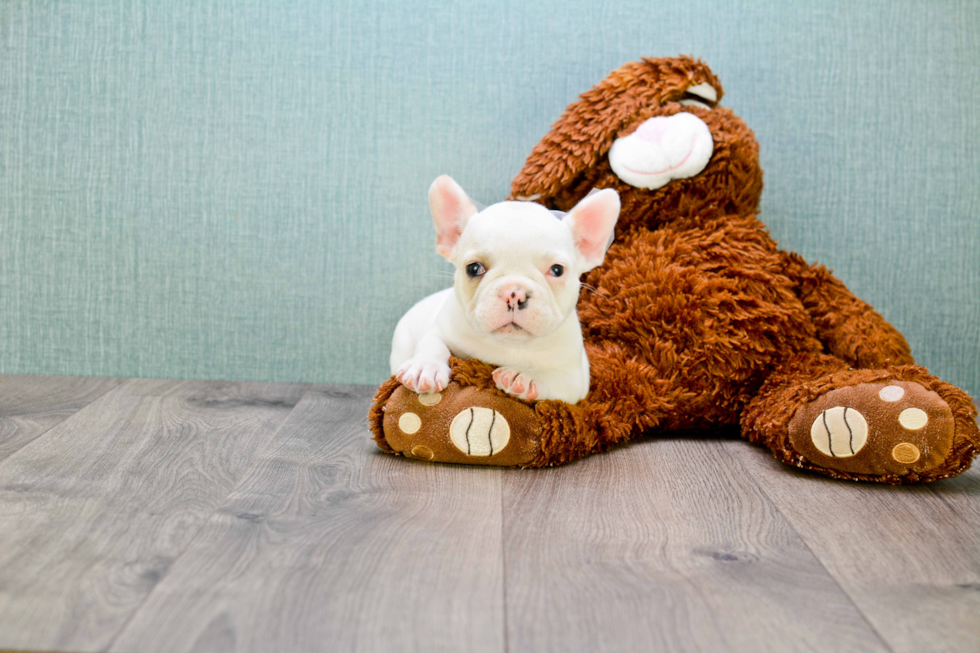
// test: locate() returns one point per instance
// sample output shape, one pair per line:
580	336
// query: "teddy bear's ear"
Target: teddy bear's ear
587	129
580	137
592	223
451	208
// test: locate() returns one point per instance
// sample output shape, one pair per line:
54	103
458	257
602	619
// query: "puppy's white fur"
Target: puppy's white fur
518	311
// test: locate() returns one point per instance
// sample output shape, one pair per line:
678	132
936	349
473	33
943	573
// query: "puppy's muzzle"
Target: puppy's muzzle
515	297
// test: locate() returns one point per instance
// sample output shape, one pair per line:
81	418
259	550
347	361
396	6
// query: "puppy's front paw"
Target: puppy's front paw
516	383
423	375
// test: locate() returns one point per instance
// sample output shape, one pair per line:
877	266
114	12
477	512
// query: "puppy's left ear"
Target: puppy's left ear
592	222
451	208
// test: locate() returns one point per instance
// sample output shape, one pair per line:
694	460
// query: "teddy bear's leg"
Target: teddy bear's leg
847	326
473	422
890	425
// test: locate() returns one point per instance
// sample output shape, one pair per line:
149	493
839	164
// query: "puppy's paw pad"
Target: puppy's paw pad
532	391
516	383
505	377
423	375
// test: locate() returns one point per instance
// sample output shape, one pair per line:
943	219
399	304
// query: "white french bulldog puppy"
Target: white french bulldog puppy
513	301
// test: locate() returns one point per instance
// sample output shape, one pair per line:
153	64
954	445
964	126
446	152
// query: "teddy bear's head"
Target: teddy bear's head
654	131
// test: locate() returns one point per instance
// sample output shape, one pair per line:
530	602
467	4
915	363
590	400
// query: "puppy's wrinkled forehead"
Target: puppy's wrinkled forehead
517	226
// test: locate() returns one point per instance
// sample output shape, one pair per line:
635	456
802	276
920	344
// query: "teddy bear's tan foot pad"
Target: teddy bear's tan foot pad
874	428
461	425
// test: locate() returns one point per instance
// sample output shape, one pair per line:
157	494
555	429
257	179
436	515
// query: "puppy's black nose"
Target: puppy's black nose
517	299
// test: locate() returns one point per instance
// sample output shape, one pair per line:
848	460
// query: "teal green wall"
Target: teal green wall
237	189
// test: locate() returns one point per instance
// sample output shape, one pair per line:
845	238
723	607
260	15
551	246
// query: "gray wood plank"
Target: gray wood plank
30	405
665	545
908	556
93	514
329	544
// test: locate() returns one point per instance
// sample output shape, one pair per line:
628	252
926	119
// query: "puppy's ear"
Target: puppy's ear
592	222
451	208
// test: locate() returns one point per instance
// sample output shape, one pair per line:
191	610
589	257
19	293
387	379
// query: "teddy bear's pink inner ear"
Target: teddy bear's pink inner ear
592	222
451	208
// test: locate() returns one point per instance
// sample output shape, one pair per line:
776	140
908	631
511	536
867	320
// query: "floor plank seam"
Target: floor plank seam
945	501
204	522
261	450
40	435
503	557
830	574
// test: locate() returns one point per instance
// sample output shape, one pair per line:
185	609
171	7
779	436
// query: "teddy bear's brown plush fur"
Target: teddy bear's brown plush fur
697	321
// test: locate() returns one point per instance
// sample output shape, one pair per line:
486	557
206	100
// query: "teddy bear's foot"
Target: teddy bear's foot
475	423
895	427
461	424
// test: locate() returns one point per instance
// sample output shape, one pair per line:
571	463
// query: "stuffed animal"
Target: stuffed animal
697	320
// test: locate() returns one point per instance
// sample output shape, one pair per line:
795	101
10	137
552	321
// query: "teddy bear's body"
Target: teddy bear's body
697	320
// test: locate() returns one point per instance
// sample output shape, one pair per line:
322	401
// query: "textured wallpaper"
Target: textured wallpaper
237	190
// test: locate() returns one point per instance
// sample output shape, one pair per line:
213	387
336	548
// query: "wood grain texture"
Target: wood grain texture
30	405
909	556
664	546
93	514
328	544
214	516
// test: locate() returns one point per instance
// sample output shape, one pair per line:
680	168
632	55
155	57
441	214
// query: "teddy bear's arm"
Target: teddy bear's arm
849	327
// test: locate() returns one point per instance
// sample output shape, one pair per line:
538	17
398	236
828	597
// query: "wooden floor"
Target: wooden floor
143	515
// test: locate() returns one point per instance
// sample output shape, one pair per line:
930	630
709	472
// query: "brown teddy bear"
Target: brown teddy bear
696	320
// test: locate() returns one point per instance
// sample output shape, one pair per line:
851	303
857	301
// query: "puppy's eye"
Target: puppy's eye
475	270
557	270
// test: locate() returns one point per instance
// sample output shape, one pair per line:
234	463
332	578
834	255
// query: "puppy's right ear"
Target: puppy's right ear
592	223
451	208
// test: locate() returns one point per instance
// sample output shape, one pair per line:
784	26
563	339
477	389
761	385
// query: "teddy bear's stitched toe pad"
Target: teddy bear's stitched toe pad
874	428
461	425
